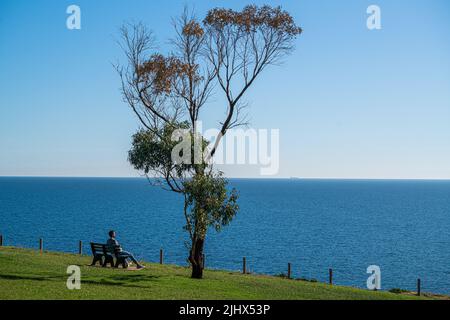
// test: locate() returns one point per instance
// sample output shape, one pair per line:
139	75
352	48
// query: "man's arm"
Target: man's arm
116	243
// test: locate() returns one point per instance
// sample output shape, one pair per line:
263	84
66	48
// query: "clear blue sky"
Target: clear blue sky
350	103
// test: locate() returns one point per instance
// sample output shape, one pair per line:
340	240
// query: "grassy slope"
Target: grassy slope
26	274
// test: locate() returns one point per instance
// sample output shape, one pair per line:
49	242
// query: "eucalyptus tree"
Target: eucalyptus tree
225	52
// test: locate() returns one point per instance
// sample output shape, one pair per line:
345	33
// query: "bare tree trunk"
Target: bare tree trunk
196	258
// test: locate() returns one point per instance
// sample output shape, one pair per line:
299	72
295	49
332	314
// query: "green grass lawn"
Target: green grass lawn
27	274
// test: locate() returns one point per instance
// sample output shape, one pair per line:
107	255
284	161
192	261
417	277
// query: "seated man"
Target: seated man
112	242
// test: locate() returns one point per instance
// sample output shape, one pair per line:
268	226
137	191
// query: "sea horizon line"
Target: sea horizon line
231	177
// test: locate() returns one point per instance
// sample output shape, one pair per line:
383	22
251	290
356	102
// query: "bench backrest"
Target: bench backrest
98	248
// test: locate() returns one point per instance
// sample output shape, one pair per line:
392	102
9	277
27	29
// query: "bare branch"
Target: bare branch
240	45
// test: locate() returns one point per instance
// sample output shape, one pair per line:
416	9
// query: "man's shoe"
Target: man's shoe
140	267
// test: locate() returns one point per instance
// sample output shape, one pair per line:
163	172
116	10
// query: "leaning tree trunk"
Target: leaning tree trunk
196	258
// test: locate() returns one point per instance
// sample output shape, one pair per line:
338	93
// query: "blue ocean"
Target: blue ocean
347	225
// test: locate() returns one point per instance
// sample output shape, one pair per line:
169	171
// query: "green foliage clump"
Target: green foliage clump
209	202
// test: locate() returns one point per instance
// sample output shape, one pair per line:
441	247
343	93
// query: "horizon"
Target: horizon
233	178
349	102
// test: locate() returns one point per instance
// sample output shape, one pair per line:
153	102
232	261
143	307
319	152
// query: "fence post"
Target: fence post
330	271
161	256
289	271
244	266
418	287
41	245
80	247
1	240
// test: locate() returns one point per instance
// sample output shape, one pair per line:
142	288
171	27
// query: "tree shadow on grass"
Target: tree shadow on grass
134	277
130	280
24	277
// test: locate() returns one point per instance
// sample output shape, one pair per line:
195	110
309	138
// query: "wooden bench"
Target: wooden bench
101	255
